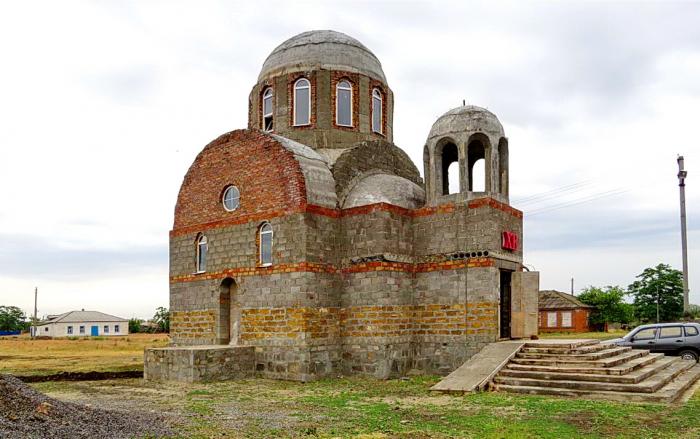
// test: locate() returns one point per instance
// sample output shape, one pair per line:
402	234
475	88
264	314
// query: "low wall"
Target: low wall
199	363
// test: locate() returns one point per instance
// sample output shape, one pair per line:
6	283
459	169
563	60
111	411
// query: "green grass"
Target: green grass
369	408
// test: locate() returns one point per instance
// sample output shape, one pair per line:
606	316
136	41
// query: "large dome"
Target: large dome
467	118
326	49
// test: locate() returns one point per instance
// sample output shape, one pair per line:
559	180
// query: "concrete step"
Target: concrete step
573	355
621	369
565	361
676	388
649	385
631	377
560	350
562	344
666	394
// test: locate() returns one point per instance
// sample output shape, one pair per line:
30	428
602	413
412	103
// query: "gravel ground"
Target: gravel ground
27	413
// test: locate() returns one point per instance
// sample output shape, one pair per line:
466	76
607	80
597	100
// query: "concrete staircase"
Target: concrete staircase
595	370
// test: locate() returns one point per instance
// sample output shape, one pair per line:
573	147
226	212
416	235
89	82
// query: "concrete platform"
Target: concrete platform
199	363
479	370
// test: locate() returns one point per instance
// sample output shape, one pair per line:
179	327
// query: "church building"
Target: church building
308	245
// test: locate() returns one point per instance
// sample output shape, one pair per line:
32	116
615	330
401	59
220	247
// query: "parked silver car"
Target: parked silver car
681	339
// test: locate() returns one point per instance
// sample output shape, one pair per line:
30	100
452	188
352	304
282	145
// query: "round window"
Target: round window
231	198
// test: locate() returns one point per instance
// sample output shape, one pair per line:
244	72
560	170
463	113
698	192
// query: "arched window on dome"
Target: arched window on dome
267	109
265	244
343	103
201	249
302	102
377	116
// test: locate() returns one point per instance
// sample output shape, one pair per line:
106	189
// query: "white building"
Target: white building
82	324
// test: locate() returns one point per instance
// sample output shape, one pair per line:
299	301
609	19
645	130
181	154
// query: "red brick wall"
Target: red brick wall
579	321
268	177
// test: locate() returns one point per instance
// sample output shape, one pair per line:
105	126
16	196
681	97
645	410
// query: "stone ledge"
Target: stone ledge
200	363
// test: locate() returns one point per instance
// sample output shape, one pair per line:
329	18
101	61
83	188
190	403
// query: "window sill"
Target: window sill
265	265
199	272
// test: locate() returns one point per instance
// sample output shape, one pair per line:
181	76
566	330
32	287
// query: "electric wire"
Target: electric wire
549	193
582	200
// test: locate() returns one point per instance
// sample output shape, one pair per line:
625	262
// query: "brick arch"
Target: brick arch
268	176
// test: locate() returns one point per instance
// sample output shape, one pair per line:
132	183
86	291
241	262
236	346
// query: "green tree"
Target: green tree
609	305
663	284
694	311
12	319
135	325
162	319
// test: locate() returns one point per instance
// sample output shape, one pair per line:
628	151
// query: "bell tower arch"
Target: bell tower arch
473	138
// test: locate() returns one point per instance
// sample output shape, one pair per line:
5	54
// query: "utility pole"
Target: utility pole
682	173
36	292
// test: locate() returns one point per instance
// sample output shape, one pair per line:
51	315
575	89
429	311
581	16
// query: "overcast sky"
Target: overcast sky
104	105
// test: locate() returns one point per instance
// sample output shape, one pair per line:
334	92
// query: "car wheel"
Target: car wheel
689	355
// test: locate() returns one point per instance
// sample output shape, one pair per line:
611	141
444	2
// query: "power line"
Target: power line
565	188
558	194
575	202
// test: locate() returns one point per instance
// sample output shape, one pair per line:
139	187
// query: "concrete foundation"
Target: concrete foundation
199	363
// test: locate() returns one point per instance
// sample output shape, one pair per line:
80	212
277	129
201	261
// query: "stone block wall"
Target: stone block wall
378	290
198	364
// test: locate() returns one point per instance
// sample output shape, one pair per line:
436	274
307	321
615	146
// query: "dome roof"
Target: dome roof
322	48
467	118
384	188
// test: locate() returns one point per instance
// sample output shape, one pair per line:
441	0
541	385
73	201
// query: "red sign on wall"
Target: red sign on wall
509	241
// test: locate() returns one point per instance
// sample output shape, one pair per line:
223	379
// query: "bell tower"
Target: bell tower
467	143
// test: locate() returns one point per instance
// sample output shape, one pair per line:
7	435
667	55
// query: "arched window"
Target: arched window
302	102
449	158
265	232
201	251
231	198
476	166
343	103
478	176
377	116
267	109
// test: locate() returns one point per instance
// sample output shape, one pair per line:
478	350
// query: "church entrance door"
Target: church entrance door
505	304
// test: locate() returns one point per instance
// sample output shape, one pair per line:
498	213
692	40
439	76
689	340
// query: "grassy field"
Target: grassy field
342	407
23	356
578	335
367	408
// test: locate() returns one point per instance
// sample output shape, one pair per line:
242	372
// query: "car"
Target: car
682	339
